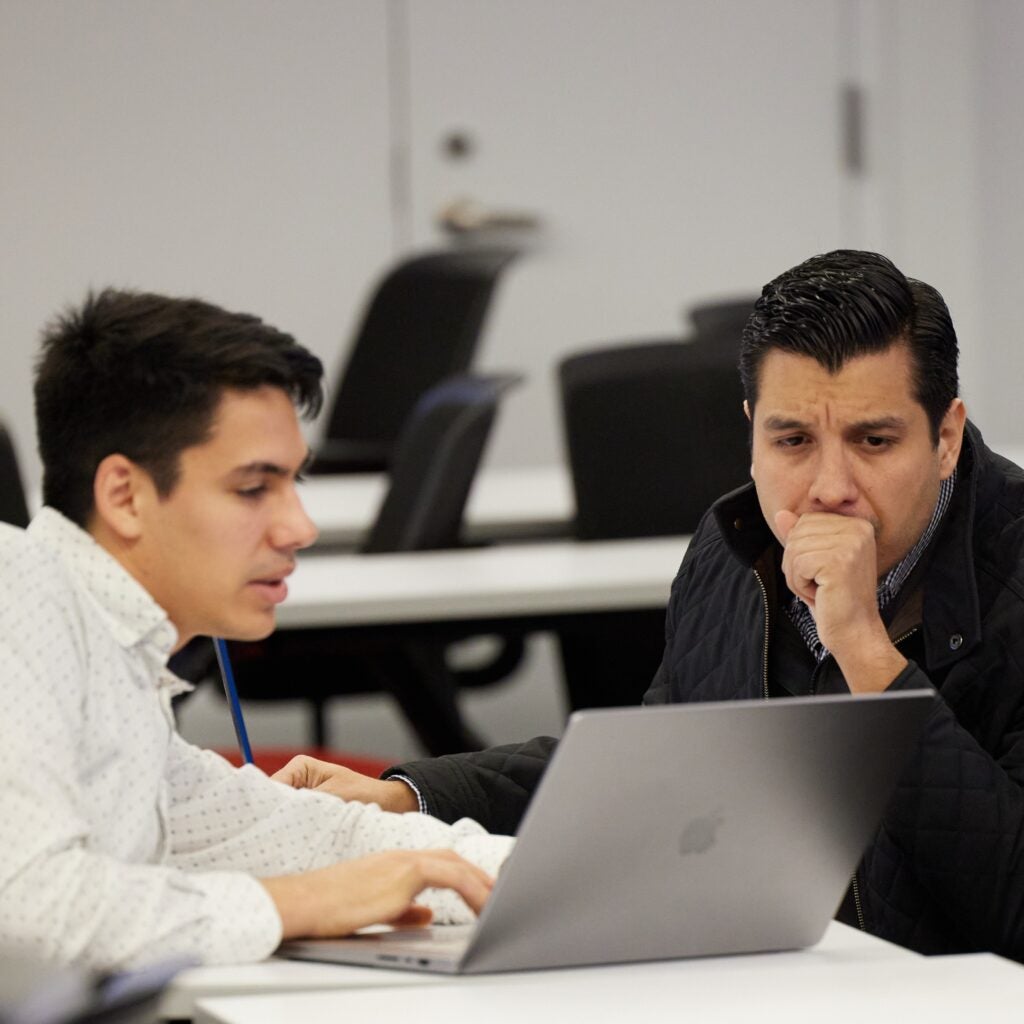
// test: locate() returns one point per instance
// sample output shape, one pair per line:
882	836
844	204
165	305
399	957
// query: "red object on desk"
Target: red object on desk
270	759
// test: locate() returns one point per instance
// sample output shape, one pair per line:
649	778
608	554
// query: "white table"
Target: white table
836	981
504	503
276	976
511	580
793	989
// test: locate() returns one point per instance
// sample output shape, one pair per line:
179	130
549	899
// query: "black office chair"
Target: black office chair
718	326
13	506
729	314
422	325
655	433
432	472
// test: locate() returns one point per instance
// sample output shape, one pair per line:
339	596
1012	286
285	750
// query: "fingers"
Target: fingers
377	889
305	772
823	548
294	773
447	870
784	522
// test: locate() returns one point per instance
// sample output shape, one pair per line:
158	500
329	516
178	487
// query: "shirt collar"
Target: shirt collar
894	579
134	618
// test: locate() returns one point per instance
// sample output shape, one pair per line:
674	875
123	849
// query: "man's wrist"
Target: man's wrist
290	895
871	668
408	797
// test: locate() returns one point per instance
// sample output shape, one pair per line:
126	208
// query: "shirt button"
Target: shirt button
956	641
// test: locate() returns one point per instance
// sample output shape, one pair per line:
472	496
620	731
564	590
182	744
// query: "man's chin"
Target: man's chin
251	630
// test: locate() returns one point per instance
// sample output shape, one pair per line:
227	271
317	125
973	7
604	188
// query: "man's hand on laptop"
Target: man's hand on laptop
378	889
830	563
304	772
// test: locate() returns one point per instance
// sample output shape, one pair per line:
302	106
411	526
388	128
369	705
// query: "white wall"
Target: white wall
243	150
998	251
673	150
919	61
237	149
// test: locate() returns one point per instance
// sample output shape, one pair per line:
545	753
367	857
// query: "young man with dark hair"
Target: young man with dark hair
879	547
171	451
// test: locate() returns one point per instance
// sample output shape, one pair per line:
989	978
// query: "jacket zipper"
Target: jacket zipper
854	883
764	658
856	902
900	639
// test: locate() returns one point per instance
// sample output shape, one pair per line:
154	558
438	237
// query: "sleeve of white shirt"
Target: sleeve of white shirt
238	819
71	893
63	896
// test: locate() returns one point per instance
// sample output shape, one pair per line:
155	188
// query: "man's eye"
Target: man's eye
252	492
300	478
790	442
873	441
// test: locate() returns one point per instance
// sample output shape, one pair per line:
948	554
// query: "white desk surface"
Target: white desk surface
504	502
501	581
826	983
179	999
291	976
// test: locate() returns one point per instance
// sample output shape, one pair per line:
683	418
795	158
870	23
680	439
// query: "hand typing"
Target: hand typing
378	889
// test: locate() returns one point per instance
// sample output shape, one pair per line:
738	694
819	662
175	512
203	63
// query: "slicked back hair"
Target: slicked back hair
845	304
142	375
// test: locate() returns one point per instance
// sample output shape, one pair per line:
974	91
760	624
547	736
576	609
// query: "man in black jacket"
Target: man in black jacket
880	546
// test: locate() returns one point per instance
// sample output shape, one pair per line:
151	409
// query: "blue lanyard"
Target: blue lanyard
228	679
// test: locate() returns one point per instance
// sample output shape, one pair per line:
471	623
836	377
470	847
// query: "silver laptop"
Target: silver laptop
678	831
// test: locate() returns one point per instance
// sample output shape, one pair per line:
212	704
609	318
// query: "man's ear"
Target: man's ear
119	492
750	437
951	437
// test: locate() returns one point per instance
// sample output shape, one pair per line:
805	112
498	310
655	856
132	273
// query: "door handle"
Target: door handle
467	216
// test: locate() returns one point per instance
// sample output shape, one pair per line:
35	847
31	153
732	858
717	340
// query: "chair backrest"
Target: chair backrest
13	506
422	325
718	326
655	433
726	314
436	459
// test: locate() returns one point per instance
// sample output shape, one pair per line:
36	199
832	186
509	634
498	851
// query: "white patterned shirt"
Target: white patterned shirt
120	843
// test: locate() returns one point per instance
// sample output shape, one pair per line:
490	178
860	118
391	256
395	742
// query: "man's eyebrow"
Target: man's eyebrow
272	468
860	426
881	423
784	423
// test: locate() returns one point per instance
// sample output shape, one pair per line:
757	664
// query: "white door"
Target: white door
671	152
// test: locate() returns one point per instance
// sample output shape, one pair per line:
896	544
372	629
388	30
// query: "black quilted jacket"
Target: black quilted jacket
946	870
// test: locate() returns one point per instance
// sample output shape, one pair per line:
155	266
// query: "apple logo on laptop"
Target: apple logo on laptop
699	834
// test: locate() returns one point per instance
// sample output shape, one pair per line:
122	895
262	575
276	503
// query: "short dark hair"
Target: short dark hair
844	304
142	375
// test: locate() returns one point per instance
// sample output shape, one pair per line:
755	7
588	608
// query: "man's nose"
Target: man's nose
834	484
293	529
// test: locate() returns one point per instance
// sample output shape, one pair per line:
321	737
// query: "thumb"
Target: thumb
295	773
784	523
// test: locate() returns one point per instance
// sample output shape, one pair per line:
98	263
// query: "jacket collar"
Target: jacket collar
951	625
